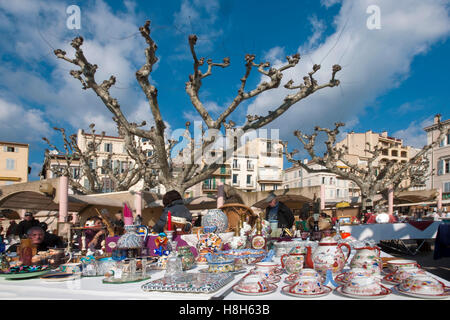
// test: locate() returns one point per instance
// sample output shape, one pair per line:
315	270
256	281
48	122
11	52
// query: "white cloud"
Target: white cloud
373	62
414	135
19	124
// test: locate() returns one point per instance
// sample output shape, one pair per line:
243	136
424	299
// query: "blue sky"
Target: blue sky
393	78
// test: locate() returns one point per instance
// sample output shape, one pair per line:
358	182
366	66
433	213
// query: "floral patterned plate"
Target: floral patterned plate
444	295
384	292
325	291
272	289
25	272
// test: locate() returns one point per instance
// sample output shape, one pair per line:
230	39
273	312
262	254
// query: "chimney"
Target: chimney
437	118
384	134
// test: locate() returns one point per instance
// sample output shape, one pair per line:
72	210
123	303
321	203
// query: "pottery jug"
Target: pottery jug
329	256
367	258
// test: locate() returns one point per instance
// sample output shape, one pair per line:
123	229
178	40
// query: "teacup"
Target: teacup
70	268
363	285
355	272
395	264
308	272
422	285
267	267
402	274
253	283
306	285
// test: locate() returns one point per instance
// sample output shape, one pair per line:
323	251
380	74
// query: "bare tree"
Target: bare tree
139	165
373	178
180	176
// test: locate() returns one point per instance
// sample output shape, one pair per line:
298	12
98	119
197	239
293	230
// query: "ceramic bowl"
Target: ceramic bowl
253	283
363	286
395	264
306	285
422	285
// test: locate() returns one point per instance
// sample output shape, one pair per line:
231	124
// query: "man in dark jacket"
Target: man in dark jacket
27	222
174	203
277	210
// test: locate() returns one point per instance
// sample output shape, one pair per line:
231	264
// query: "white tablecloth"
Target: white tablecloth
94	289
391	231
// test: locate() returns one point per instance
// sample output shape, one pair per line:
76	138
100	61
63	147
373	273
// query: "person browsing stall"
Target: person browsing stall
174	203
277	210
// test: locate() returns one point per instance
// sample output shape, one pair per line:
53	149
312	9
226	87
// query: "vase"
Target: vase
131	241
216	217
187	258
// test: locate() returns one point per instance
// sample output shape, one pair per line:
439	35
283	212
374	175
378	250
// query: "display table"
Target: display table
92	288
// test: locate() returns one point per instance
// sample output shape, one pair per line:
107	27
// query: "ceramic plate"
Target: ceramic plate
326	290
444	295
118	281
272	289
385	291
23	275
240	270
60	276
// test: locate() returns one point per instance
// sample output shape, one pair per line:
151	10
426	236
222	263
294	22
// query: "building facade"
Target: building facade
336	188
13	162
439	158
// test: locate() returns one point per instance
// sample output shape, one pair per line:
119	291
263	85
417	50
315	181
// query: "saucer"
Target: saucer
325	290
444	295
272	289
60	276
384	292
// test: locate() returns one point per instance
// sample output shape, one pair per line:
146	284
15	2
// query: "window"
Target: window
249	179
108	185
75	173
446	187
105	164
275	187
235	164
331	181
263	187
123	166
10	149
92	164
235	179
108	147
10	164
323	180
249	165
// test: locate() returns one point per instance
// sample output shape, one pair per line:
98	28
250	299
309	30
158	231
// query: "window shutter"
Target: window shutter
440	167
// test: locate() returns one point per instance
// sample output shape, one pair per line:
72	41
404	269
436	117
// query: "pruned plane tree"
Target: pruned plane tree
180	175
373	176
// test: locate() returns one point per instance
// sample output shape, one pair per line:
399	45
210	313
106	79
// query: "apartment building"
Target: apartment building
337	189
439	157
13	162
392	149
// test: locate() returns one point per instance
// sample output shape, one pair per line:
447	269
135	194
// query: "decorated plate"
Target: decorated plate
325	290
25	272
384	292
126	280
24	275
272	289
60	276
444	295
240	270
